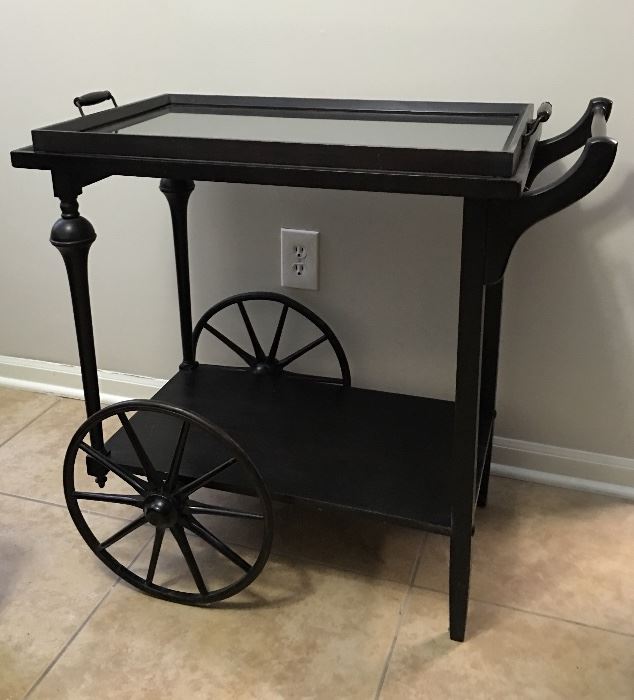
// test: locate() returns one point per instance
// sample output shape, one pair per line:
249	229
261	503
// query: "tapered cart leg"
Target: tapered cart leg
490	354
466	421
73	235
177	194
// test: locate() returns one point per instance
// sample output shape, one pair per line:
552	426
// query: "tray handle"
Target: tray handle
544	113
592	123
509	219
93	98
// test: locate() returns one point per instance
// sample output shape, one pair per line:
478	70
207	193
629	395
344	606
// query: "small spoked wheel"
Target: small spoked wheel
184	522
272	361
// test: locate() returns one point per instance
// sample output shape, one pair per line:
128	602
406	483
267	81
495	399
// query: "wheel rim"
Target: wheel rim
169	503
262	362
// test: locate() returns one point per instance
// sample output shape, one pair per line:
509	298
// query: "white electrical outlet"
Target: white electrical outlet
300	258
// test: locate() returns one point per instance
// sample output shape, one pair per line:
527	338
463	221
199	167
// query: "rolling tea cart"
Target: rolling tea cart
214	433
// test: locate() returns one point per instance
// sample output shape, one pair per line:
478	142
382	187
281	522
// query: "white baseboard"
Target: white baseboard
562	466
65	380
518	459
563	481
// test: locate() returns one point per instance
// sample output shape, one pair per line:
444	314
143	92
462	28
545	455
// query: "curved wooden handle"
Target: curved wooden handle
592	123
589	171
509	219
93	98
544	112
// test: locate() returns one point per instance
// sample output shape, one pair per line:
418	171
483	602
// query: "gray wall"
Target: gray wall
388	262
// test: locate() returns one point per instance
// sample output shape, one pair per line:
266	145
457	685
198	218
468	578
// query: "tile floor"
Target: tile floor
346	608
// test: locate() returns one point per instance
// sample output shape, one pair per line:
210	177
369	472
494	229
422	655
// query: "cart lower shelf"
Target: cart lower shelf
381	453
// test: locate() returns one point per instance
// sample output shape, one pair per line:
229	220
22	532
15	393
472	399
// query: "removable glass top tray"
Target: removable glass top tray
423	137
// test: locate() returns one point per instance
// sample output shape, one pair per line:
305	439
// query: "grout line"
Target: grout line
554	617
29	423
418	560
525	611
401	615
76	633
61	505
68	643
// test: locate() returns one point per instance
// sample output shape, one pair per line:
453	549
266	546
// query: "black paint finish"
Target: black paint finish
467	416
385	454
161	499
177	193
415	461
259	360
104	134
73	235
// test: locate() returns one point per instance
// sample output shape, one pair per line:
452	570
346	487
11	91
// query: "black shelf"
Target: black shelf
385	454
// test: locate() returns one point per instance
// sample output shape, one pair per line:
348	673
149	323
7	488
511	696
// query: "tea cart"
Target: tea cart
214	431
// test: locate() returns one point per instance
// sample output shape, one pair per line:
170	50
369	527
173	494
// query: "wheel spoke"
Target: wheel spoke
204	479
197	508
315	378
138	485
302	351
123	532
249	359
148	467
278	334
156	550
181	539
178	457
123	499
257	348
217	544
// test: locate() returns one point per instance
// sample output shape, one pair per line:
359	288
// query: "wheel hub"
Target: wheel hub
160	511
264	368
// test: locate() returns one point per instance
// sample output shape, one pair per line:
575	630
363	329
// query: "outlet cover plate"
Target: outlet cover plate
300	258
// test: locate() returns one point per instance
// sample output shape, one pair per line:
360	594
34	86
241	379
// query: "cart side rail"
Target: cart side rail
508	220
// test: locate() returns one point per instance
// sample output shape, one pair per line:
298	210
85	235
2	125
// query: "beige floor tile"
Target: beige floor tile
508	654
18	408
49	583
300	631
31	463
548	550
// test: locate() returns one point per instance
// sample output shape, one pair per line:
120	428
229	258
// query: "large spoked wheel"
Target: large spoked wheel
155	495
269	362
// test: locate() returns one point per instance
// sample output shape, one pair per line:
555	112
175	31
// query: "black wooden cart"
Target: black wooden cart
416	461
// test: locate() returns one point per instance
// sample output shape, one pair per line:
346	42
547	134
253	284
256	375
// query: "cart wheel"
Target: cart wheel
159	496
262	362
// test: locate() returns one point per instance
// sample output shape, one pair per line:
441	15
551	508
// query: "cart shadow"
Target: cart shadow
295	587
309	540
353	542
336	539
